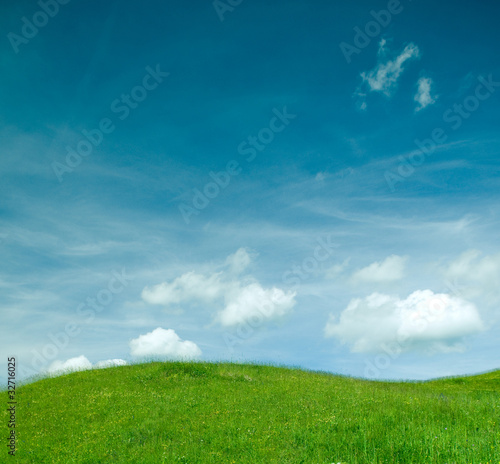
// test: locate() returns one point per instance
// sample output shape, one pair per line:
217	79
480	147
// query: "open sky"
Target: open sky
308	183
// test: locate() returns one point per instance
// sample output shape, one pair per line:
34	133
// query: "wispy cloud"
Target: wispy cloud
384	76
239	261
423	96
389	270
476	276
337	269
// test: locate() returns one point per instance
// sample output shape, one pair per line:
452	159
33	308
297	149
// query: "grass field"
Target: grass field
237	413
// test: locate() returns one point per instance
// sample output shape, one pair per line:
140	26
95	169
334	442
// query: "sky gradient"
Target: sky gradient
306	183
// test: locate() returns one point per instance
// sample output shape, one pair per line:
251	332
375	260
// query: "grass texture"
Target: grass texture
183	412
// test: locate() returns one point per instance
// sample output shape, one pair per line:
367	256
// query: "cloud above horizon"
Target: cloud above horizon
253	302
81	363
110	363
234	299
164	343
188	287
424	321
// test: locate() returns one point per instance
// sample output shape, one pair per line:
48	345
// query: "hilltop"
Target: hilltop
179	412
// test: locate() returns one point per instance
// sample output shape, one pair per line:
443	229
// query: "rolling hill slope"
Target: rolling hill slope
236	413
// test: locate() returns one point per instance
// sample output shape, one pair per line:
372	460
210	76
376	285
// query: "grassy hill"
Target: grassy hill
233	413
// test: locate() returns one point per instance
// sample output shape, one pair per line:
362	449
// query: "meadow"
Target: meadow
183	412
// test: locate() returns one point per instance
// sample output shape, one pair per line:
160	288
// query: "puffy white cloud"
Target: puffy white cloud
383	78
163	342
189	287
389	270
425	321
233	298
110	363
238	261
79	363
423	96
254	302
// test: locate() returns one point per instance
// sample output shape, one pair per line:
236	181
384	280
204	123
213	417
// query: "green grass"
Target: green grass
237	413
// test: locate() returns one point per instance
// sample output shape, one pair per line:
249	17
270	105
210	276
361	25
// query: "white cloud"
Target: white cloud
469	266
423	96
163	342
474	276
79	363
110	363
383	78
424	321
254	302
238	261
190	286
234	298
389	270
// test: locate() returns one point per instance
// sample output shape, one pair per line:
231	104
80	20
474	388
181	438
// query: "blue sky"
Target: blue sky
298	183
